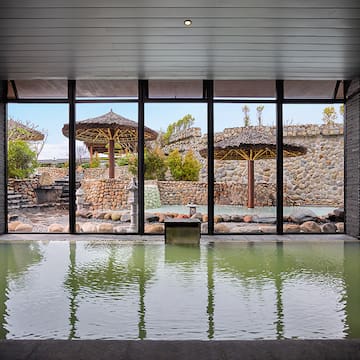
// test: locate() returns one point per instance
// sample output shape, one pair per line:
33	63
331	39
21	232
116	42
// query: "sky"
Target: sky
52	117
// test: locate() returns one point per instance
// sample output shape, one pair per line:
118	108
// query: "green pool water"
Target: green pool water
87	290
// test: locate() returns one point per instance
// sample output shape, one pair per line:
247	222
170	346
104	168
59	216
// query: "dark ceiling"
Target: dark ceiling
132	39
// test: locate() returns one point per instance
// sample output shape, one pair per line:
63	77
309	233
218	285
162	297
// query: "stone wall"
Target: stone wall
230	193
105	193
352	213
54	172
316	178
93	173
25	187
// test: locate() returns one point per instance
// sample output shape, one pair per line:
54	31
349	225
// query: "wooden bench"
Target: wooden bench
182	231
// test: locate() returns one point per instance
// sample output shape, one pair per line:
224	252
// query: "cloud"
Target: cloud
55	151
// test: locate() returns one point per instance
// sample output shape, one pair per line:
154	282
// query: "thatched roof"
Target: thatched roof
252	144
19	131
110	126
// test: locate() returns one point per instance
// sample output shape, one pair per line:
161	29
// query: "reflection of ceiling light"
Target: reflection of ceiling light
187	22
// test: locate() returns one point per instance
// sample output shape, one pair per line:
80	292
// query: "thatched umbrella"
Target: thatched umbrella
20	131
103	132
253	143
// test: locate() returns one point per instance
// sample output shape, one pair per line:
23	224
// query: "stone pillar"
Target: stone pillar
3	144
352	160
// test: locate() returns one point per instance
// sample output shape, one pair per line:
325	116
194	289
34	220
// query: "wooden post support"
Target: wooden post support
251	184
111	159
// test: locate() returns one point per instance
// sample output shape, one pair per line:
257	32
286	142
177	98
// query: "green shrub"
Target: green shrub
186	169
154	163
123	161
95	162
21	159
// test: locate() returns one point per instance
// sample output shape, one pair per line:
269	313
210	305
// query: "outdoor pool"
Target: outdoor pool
94	290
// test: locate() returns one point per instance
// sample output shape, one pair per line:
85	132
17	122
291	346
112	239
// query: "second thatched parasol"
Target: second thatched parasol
107	130
252	143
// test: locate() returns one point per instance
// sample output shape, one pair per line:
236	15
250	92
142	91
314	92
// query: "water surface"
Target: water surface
85	290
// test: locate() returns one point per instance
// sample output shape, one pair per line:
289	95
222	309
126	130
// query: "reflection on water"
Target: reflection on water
218	291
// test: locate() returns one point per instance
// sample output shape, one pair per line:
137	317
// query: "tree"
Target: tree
182	124
246	111
342	110
329	115
259	110
21	159
186	169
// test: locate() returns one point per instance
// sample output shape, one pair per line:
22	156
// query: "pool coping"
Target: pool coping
176	350
145	239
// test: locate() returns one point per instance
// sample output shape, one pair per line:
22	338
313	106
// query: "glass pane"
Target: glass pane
245	168
314	177
41	89
172	89
259	89
106	195
309	89
107	89
175	172
38	182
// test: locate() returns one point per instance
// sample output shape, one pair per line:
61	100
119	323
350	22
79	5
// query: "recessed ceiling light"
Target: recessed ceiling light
188	22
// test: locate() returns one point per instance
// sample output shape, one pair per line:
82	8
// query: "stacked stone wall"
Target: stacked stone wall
54	172
25	187
105	193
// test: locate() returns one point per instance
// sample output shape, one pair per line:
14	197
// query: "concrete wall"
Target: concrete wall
352	160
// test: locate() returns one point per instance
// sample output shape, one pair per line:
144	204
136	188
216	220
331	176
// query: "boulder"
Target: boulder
107	216
218	219
84	214
248	218
340	227
12	225
226	218
150	218
221	228
154	228
56	228
300	216
328	228
337	215
264	220
13	217
100	215
105	228
205	218
237	218
291	228
88	227
310	227
115	216
24	228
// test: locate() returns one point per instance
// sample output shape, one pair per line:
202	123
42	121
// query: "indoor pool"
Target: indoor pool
93	290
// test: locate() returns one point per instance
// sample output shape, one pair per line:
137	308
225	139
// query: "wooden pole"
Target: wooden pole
111	159
251	184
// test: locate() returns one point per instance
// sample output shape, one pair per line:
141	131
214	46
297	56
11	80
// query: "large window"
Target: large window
122	156
38	168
